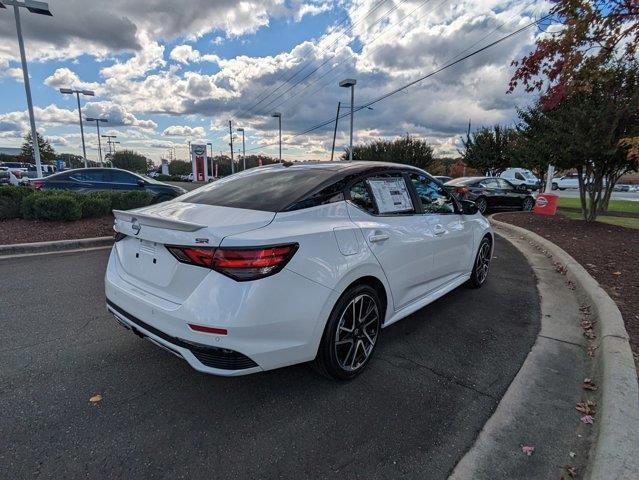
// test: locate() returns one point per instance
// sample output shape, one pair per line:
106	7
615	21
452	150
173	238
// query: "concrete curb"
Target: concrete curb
55	246
615	453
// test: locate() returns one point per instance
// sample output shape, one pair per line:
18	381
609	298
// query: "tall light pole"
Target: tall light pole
339	104
40	8
88	93
350	82
97	124
243	149
278	115
231	144
109	143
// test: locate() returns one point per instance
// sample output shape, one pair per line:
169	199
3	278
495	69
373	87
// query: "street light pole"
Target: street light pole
243	149
41	8
278	115
231	144
339	104
211	162
89	93
350	82
97	124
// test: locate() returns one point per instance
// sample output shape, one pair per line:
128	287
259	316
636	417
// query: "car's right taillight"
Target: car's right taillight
36	184
239	263
460	190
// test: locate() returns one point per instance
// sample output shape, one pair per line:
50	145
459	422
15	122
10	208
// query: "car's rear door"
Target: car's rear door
399	237
512	197
85	180
124	181
452	236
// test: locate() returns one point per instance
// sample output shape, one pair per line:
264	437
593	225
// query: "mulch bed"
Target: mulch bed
27	231
610	254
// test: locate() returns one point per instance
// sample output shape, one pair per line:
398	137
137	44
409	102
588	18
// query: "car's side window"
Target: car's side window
123	177
361	197
505	184
519	176
88	176
433	197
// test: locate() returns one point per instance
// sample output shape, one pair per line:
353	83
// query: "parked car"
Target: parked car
15	166
189	177
521	176
13	176
96	179
491	193
443	178
291	263
566	181
621	188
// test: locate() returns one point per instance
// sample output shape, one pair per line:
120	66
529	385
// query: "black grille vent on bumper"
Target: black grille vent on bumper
213	357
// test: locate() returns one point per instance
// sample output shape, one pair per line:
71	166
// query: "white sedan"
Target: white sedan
287	263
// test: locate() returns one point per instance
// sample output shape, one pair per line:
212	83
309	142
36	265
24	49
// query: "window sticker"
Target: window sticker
391	195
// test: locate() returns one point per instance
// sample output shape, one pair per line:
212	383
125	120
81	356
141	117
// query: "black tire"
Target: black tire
481	267
562	189
332	359
482	205
528	204
554	186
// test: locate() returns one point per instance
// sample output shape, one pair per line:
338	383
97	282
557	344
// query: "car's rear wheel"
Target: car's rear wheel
482	264
528	204
351	334
555	185
482	205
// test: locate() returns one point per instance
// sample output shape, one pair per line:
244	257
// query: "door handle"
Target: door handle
439	230
378	238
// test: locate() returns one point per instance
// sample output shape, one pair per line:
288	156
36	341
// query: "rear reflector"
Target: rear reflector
241	264
202	328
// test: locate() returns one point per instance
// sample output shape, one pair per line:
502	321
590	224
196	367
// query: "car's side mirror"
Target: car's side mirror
469	208
141	183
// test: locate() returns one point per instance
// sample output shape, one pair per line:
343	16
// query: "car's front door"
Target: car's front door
512	197
125	181
383	208
453	236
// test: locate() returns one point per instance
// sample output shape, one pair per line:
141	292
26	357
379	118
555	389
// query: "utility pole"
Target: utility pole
278	115
243	149
231	144
335	131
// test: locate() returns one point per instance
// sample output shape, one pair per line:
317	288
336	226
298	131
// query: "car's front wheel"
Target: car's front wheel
528	204
482	264
351	334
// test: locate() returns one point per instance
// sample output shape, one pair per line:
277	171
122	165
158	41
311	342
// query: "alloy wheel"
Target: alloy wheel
482	264
482	205
528	205
357	332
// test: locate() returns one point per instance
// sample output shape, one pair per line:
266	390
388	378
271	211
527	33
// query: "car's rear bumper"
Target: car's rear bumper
270	323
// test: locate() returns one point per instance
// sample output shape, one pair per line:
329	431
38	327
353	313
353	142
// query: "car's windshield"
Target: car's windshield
528	174
271	189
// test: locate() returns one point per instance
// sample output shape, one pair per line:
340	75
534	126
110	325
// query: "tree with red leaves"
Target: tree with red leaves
591	35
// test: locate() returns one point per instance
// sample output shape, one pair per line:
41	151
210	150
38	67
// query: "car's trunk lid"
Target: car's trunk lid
148	265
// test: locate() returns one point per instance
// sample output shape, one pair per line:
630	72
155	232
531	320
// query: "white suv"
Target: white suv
285	264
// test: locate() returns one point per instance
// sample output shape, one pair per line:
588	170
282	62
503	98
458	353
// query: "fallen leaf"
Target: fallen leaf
587	407
587	419
95	398
591	350
589	385
572	454
572	471
528	449
590	334
616	273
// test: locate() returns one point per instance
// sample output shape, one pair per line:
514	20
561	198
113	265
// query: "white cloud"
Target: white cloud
66	78
186	54
183	131
151	56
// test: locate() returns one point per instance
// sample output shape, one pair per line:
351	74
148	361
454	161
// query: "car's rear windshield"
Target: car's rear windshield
270	190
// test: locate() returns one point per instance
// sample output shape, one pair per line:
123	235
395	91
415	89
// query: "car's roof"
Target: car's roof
356	166
465	180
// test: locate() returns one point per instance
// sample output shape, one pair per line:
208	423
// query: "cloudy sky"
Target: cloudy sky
166	72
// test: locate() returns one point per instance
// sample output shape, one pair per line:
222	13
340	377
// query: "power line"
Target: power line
420	79
309	62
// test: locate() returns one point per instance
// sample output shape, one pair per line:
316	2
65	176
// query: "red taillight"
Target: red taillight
460	190
36	184
17	173
205	329
241	264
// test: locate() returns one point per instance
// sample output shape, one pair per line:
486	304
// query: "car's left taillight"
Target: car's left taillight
36	184
239	263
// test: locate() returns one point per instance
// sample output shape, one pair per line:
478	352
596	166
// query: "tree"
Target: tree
489	149
71	160
407	150
589	131
179	167
130	160
594	35
47	153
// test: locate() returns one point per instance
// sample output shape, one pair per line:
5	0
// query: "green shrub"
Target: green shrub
52	205
95	205
129	200
11	198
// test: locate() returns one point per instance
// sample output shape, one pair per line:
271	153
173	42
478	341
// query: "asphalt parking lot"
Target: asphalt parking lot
436	378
